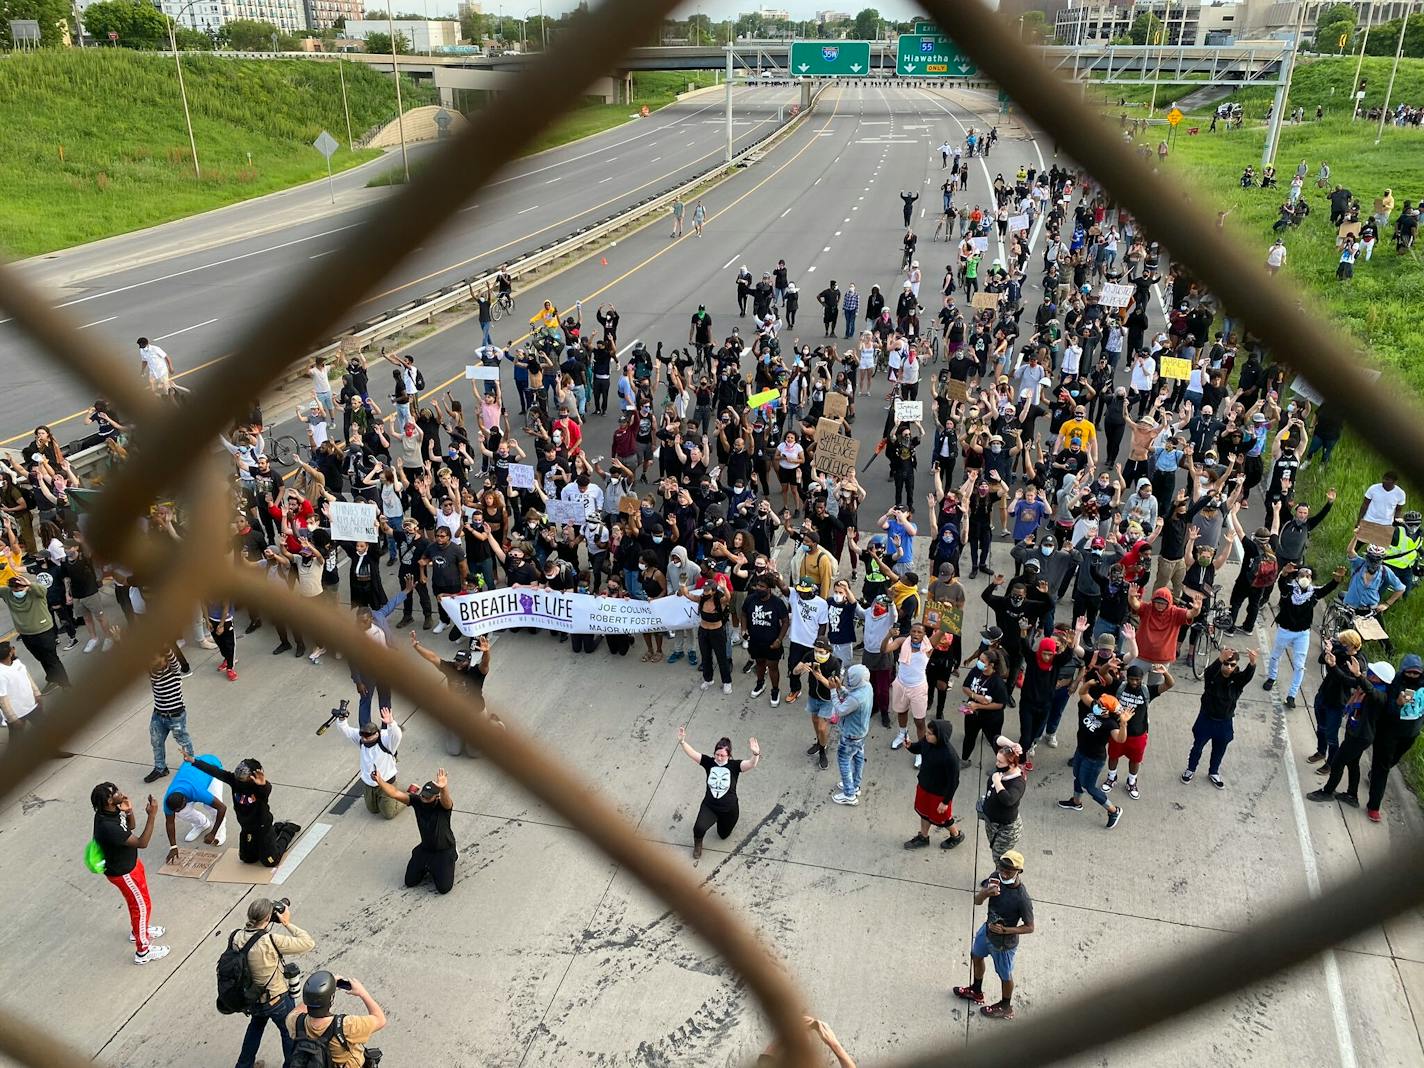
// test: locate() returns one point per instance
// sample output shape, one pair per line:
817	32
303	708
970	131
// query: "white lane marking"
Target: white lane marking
462	211
523	211
612	159
165	337
551	181
816	182
204	266
319	255
1333	985
97	322
922	213
826	249
855	208
299	852
810	269
690	144
730	262
655	159
785	213
608	179
836	234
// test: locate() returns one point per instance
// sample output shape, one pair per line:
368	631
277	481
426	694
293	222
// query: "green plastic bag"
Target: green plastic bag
94	857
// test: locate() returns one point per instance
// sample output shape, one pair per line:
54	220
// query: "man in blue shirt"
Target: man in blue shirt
1370	580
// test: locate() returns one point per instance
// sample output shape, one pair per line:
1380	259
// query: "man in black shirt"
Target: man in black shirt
262	840
830	299
436	853
1134	695
1101	719
1010	915
1221	689
119	846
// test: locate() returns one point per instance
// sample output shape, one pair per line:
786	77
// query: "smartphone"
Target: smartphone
343	984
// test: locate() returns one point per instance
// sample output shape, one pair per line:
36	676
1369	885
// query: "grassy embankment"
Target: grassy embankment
1380	308
93	142
655	89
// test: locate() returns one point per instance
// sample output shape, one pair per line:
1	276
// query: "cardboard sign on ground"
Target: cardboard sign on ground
191	863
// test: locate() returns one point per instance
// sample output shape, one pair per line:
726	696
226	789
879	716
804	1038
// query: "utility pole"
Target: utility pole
1359	63
341	71
400	109
1389	90
729	103
183	92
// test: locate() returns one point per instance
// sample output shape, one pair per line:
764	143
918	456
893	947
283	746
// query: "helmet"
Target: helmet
1374	554
318	992
1412	519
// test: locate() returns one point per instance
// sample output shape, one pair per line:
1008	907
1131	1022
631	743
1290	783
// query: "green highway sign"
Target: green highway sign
925	26
930	55
836	59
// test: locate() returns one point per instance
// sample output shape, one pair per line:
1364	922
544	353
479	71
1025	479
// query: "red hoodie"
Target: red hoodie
1157	630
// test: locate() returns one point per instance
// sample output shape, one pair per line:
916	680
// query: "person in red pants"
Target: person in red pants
113	830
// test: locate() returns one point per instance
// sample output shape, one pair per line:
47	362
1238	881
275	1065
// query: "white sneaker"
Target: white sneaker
439	628
840	797
736	640
726	687
1052	740
208	643
195	834
705	685
154	953
153	932
91	645
899	739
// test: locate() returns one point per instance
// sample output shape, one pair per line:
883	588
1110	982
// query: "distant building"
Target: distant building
209	16
469	7
834	16
322	14
1190	23
772	14
423	36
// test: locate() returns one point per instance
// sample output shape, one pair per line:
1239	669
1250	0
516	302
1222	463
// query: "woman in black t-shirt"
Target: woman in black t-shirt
719	803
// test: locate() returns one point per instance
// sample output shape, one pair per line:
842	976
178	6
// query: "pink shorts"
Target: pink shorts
914	700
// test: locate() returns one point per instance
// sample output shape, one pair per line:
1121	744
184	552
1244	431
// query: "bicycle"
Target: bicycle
1340	616
1206	633
286	449
503	305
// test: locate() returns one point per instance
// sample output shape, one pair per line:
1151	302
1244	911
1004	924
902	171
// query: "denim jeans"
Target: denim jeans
484	326
850	324
277	1012
634	584
850	756
160	727
1298	642
1055	712
364	699
1327	727
1086	774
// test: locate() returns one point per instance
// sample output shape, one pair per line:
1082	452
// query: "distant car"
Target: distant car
1228	111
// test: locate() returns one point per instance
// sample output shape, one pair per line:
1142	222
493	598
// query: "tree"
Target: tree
1035	25
699	29
1146	29
1384	38
52	15
191	40
138	24
867	25
380	44
247	35
472	27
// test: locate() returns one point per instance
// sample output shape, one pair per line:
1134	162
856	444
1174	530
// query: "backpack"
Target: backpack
419	379
314	1051
1266	571
236	990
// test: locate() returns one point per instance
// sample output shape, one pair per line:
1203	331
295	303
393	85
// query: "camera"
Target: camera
340	712
293	975
278	907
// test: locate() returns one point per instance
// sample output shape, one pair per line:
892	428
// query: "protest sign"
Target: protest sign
1115	295
979	244
568	613
1176	367
985	300
766	396
835	405
566	512
480	373
521	476
909	411
353	522
956	390
835	452
1018	222
1375	533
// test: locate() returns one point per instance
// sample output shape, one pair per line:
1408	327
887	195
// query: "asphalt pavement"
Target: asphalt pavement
197	301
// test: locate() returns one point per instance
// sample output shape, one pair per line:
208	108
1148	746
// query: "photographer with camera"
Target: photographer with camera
340	1040
270	986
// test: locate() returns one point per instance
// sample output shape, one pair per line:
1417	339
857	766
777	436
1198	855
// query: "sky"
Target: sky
719	10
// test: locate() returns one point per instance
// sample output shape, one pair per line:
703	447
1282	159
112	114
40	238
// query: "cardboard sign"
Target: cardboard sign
1375	533
909	411
766	396
521	476
979	244
1176	367
1349	229
629	504
191	863
956	390
836	453
353	522
835	405
562	512
944	616
1018	222
1115	295
480	373
988	301
1370	630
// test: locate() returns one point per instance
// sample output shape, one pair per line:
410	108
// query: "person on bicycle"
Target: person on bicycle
1370	581
504	283
1295	618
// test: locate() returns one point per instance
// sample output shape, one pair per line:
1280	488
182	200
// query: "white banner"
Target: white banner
479	372
353	522
909	411
521	476
571	613
1018	222
1115	295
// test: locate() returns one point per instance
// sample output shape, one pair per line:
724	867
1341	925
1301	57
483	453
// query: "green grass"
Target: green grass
93	142
1379	308
656	89
1138	96
1328	82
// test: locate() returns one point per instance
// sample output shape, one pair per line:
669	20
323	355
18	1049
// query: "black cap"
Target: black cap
429	792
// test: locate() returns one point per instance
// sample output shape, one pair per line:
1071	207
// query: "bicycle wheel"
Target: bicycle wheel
496	311
285	450
1200	651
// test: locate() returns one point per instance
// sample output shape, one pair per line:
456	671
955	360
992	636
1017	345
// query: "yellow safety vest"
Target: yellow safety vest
1403	550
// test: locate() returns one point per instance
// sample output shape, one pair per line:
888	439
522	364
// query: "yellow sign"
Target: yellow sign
1176	367
936	68
1174	116
766	396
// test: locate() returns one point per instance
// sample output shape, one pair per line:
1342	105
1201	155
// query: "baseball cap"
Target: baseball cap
1107	702
1106	641
1011	858
805	586
1382	670
429	792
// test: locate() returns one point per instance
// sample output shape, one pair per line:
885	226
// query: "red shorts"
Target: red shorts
1133	749
927	807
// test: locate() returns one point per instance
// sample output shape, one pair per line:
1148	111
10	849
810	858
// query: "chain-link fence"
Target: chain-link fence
167	456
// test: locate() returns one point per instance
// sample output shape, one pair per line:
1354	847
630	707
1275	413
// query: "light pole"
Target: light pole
1161	56
1273	131
543	29
182	89
527	15
400	109
1359	63
341	71
1389	90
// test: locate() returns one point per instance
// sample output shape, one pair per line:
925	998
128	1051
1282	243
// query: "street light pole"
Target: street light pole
341	71
400	109
543	29
183	89
729	104
1273	132
1389	90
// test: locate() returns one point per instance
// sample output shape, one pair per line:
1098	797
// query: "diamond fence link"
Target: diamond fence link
169	447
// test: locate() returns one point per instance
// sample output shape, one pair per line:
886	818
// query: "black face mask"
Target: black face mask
369	742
